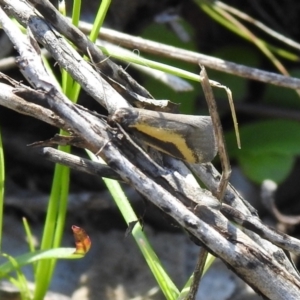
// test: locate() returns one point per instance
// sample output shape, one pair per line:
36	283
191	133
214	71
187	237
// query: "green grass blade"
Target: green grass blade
29	258
43	270
136	59
29	237
20	282
183	294
2	180
99	19
93	36
166	284
76	12
231	23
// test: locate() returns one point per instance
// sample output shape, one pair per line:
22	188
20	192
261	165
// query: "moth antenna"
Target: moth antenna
99	71
134	51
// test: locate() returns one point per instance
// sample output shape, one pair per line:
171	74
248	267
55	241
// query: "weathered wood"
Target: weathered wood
260	263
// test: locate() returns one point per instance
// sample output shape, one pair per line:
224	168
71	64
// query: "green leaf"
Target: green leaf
282	97
28	258
261	166
268	149
161	33
237	85
274	136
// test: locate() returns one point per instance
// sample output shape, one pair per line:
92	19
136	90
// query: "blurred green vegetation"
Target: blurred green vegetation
160	33
269	145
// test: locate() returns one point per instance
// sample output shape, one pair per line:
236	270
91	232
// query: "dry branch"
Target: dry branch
163	50
257	261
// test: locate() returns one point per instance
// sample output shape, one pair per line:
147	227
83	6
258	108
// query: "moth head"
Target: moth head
123	116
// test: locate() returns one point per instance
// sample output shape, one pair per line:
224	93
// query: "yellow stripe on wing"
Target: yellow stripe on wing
169	137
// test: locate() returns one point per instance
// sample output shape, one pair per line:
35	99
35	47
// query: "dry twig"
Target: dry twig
257	261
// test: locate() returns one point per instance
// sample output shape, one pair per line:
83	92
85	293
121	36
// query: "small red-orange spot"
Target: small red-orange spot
82	240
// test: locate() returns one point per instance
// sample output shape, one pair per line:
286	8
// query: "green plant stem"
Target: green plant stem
166	284
62	211
29	258
29	237
2	180
230	22
57	208
185	291
133	58
93	36
99	19
43	271
21	282
76	12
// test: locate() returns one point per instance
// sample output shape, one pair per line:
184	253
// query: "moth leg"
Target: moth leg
100	150
139	149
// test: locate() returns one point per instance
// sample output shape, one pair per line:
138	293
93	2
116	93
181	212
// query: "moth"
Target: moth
188	138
